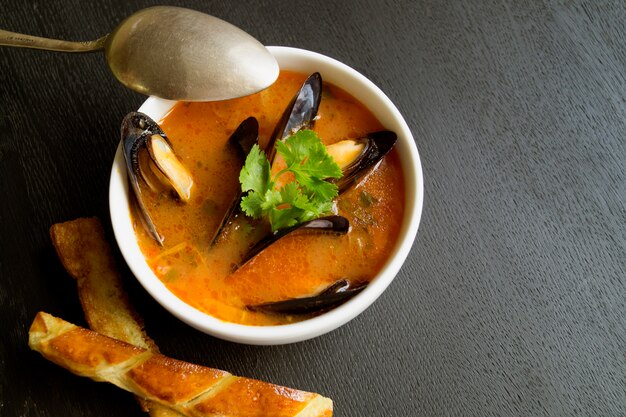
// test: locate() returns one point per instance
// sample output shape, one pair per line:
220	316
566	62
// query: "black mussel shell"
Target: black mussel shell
242	140
377	145
299	114
136	129
332	296
338	225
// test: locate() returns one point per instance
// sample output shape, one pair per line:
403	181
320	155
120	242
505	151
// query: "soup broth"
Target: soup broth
296	265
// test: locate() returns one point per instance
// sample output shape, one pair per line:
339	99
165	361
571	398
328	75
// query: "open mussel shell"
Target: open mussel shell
374	147
242	140
142	134
136	129
337	225
299	114
337	293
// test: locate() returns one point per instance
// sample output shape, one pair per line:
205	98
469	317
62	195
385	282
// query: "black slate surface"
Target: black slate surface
513	299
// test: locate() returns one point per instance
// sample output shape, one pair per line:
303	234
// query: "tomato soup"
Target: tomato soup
297	265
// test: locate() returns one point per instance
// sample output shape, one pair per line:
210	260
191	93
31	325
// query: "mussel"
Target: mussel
331	297
336	225
358	157
299	114
150	157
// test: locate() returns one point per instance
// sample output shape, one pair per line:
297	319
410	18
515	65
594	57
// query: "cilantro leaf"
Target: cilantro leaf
305	152
300	204
255	174
306	198
251	204
293	149
316	188
273	198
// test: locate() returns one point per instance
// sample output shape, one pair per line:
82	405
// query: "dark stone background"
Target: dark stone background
512	301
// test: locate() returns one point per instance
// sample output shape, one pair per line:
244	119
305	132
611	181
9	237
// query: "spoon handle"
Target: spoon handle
27	41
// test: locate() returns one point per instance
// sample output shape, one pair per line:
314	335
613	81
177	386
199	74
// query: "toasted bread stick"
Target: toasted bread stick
192	390
84	252
86	255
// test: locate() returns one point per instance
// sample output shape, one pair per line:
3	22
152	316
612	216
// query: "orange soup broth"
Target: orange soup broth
295	266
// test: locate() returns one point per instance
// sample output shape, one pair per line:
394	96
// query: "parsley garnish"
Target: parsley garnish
306	198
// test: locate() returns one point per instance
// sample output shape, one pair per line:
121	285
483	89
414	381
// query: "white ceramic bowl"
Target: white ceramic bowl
365	91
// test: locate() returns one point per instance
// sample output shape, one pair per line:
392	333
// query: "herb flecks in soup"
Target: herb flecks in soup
208	272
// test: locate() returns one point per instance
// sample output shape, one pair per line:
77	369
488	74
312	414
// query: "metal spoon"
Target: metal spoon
176	54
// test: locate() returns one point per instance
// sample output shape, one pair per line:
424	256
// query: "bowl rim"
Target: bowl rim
293	59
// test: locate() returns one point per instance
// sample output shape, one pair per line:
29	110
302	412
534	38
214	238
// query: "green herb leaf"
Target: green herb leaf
304	199
251	204
255	174
304	152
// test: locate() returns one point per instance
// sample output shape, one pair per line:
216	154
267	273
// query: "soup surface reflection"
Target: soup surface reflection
295	266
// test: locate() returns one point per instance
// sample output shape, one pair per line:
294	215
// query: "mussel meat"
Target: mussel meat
142	136
164	158
332	296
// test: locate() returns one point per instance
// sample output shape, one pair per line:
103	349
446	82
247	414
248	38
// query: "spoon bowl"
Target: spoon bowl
175	54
